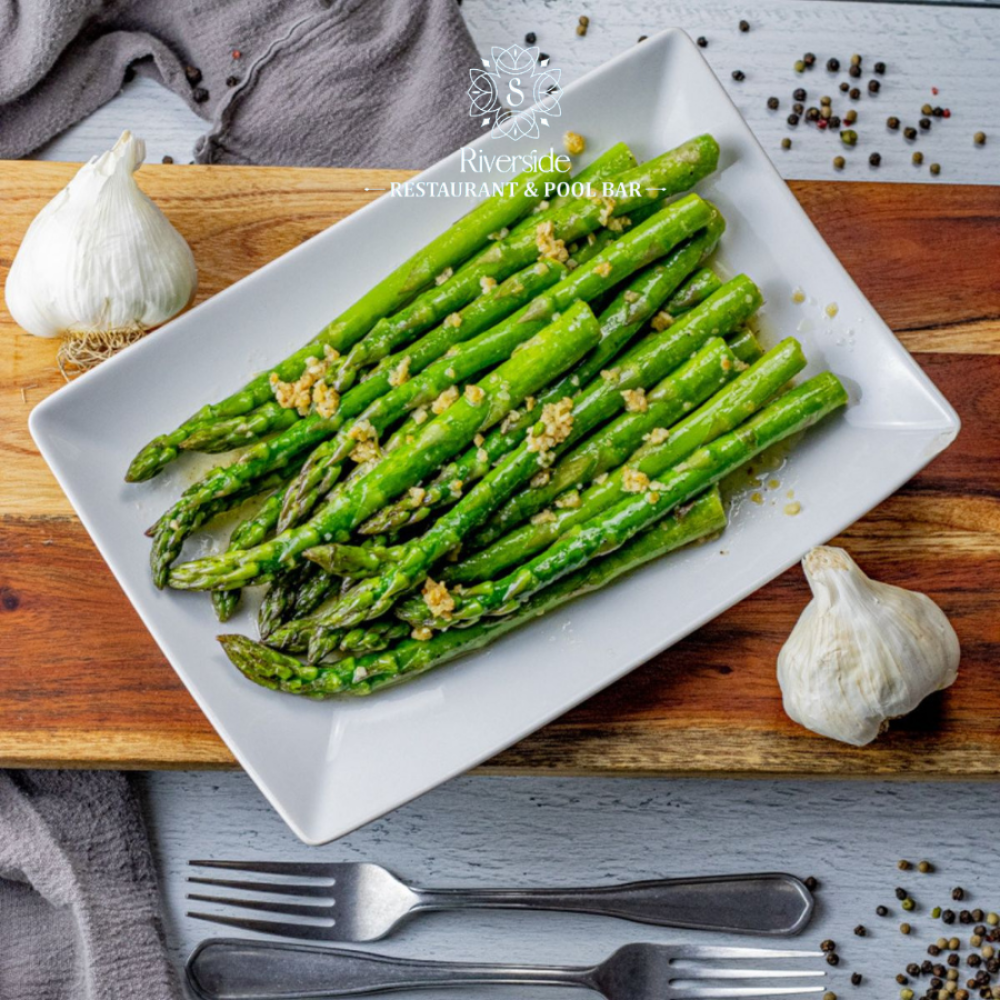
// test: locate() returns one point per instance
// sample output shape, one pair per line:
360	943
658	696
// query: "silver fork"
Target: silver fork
227	969
364	902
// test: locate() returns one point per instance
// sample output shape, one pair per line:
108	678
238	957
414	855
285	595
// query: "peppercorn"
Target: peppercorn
927	110
581	29
833	65
924	866
933	949
584	20
908	904
906	995
855	71
935	169
793	119
991	918
199	95
798	108
874	86
911	133
832	958
880	69
882	911
702	42
924	123
977	914
809	59
936	984
948	916
829	995
938	112
851	116
828	945
744	25
773	103
822	124
786	143
530	38
849	137
980	140
834	122
800	66
854	94
543	57
875	159
856	978
904	928
845	87
811	883
193	74
799	93
918	158
739	76
892	122
825	101
979	928
901	979
901	893
965	917
231	81
167	159
812	114
826	112
855	60
642	38
953	959
973	960
925	966
861	930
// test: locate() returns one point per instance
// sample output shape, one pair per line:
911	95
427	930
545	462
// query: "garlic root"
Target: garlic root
862	652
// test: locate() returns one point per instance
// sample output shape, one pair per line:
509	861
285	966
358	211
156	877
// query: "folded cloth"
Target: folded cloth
349	83
79	909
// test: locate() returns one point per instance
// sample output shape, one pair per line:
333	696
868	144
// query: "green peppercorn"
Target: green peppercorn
786	143
935	169
904	928
980	140
936	912
800	66
851	116
926	110
908	904
839	162
918	157
906	994
849	137
924	866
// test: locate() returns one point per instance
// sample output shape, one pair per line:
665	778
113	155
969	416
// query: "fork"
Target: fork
229	969
364	902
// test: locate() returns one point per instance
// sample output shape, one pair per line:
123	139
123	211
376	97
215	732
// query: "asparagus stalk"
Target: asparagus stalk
793	412
724	412
559	345
360	675
696	289
393	292
641	367
623	319
647	242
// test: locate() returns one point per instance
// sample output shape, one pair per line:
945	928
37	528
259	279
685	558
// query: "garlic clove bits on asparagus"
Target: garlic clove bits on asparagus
862	652
101	264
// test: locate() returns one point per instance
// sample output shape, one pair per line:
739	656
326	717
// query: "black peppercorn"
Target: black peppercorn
974	961
913	969
642	38
798	108
834	122
860	930
901	979
880	69
543	57
832	958
739	76
167	159
828	945
856	978
911	133
855	94
833	65
813	114
924	123
937	112
882	911
845	87
900	893
965	917
874	86
530	38
799	93
933	949
231	81
702	42
953	959
793	120
855	71
773	103
809	59
744	25
875	159
199	95
193	74
977	915
892	123
811	883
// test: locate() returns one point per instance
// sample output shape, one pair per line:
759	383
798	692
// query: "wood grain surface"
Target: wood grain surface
83	683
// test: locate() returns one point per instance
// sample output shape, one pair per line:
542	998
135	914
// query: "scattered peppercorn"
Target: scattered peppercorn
800	66
793	120
786	143
799	93
892	122
543	57
910	132
845	87
875	159
906	995
908	904
936	912
744	25
948	916
237	54
642	38
530	38
835	122
581	29
918	158
822	124
954	944
933	950
924	866
904	928
199	95
231	81
826	112
977	914
584	20
900	893
958	893
938	112
901	979
849	137
991	918
861	930
829	995
935	169
773	103
882	911
739	76
856	978
833	65
880	68
855	71
926	110
825	101
854	94
946	113
832	958
855	60
809	59
874	86
913	969
828	945
168	159
811	883
924	123
851	116
798	108
812	114
193	74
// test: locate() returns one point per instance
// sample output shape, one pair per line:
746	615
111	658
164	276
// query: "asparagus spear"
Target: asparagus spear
788	414
696	289
561	344
641	367
724	412
361	675
619	324
711	368
393	292
647	242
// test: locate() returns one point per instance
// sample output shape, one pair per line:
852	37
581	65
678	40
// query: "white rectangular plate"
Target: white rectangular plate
329	767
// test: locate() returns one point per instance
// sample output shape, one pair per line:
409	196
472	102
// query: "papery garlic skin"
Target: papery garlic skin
101	256
862	652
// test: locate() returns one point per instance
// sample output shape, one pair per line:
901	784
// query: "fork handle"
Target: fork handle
769	903
230	969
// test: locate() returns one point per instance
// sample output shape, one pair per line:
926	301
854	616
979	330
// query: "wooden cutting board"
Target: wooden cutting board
83	684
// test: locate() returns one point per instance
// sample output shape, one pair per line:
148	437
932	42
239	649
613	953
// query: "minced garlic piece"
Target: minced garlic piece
832	309
367	447
603	269
635	400
401	373
607	207
791	509
541	478
601	478
569	500
611	374
798	296
543	517
500	234
631	296
487	284
478	440
299	395
657	435
662	320
557	423
325	400
359	675
529	403
509	421
474	394
445	399
652	497
455	487
575	143
572	265
455	319
439	602
422	634
417	494
443	276
756	498
726	364
420	415
482	457
548	245
541	268
634	481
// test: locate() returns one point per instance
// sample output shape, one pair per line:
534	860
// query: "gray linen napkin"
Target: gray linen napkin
79	909
349	83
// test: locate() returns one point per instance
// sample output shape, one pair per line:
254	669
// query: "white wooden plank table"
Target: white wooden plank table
489	831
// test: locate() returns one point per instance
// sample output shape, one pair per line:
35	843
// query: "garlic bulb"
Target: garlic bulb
862	652
101	259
